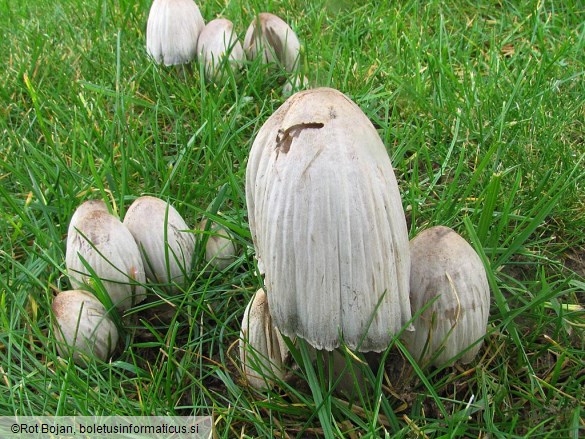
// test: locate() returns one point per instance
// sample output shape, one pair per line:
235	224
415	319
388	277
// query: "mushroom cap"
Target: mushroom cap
328	224
220	250
145	219
272	38
109	248
445	265
172	31
263	351
215	41
82	323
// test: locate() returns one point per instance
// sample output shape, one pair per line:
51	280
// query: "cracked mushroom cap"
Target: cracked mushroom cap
446	268
328	224
108	247
146	219
272	38
172	31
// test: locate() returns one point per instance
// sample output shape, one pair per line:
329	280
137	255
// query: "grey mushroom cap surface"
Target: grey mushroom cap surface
108	247
272	39
146	219
216	41
82	326
172	31
445	268
328	224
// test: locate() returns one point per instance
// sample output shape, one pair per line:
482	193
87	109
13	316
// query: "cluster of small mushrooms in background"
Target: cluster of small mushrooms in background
153	242
176	34
331	239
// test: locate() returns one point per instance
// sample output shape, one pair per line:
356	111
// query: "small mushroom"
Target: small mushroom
162	236
172	31
83	327
328	225
216	42
263	352
220	250
271	38
103	242
446	271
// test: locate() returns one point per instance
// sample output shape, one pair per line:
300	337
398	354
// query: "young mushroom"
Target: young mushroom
100	240
164	239
448	277
217	44
328	225
83	327
263	352
220	251
172	31
272	39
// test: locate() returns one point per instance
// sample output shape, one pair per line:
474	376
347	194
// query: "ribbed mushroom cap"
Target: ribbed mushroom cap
172	31
263	351
328	224
272	38
217	39
83	325
445	265
109	248
146	219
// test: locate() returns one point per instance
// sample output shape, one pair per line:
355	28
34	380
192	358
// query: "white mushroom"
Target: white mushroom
82	326
103	242
216	41
446	269
220	250
328	224
162	236
263	352
172	31
271	38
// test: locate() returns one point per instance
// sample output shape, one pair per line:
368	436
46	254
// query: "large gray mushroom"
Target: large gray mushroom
162	236
446	269
272	39
172	31
107	246
263	352
216	42
328	224
83	326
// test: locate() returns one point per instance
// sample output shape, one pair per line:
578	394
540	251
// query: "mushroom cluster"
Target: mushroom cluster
330	236
176	34
153	243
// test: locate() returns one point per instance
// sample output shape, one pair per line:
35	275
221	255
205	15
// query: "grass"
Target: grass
482	108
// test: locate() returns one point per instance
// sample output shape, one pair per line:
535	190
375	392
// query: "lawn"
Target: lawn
481	106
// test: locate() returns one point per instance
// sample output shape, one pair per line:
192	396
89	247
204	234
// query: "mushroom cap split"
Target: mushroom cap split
446	269
108	247
146	219
328	224
82	325
271	38
216	41
172	31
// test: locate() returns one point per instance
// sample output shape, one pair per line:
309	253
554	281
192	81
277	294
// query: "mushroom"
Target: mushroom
328	225
271	38
220	250
99	239
216	42
164	239
172	31
263	352
82	326
448	278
